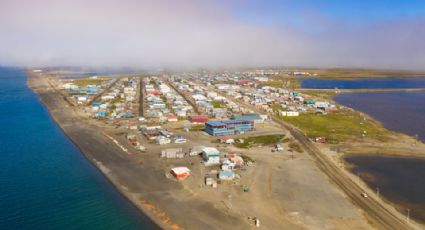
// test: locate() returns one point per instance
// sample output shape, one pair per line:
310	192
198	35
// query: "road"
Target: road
141	98
380	216
103	92
185	96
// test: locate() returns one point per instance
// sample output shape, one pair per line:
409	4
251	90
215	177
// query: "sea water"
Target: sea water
45	182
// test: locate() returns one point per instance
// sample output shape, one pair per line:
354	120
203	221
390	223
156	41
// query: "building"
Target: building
172	119
211	156
248	117
289	113
219	112
198	118
172	153
82	98
226	140
228	127
226	175
180	172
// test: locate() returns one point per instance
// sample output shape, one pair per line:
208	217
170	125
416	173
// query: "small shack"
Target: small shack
180	173
226	175
211	156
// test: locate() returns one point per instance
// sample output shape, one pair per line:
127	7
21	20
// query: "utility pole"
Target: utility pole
377	192
416	139
408	215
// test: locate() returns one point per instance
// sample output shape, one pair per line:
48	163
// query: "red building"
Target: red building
180	172
243	82
153	92
198	118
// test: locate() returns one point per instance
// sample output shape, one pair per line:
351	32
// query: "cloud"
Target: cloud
189	33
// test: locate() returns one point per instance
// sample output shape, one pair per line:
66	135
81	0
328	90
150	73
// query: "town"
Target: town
241	142
186	117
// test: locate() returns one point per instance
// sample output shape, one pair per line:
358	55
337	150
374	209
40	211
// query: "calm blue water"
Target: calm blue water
399	111
45	182
400	180
372	83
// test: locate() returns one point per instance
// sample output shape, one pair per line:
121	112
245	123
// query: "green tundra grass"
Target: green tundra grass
339	126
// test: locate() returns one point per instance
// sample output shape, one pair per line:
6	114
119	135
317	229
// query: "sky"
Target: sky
384	34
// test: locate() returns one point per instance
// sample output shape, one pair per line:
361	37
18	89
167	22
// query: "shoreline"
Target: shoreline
143	196
373	179
115	184
166	203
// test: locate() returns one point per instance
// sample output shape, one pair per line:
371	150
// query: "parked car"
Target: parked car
180	141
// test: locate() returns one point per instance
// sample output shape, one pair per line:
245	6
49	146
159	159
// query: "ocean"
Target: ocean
45	182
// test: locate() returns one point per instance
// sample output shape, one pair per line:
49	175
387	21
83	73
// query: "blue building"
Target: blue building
228	127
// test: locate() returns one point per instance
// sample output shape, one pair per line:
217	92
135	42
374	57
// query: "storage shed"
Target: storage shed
226	175
180	172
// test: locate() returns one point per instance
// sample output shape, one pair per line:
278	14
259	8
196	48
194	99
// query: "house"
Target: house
153	92
226	140
82	98
101	114
199	97
309	102
210	181
289	113
243	82
236	159
292	114
69	86
180	173
226	175
198	118
228	165
172	119
107	97
228	127
248	117
219	112
161	140
211	156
